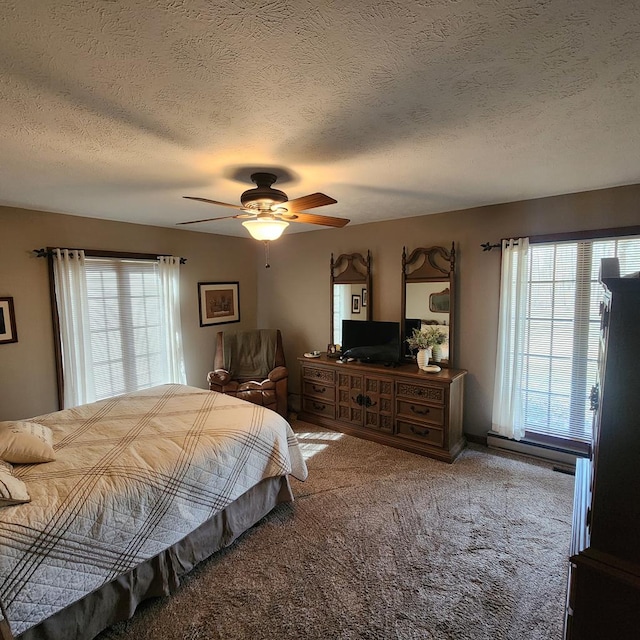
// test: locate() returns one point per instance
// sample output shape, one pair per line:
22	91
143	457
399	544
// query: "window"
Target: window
119	324
562	331
125	325
341	309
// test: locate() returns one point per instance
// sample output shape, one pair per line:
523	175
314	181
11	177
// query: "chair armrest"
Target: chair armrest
254	385
279	373
219	376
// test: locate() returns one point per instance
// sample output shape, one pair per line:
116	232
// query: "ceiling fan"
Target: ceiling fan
268	211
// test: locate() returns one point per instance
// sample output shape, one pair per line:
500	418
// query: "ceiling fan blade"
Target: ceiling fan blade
308	202
312	218
210	219
222	204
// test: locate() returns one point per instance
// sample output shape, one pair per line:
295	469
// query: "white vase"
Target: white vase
422	358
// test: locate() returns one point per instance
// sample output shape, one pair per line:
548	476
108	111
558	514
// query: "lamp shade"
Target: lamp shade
265	229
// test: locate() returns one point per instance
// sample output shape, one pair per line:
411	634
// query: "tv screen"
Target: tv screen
371	341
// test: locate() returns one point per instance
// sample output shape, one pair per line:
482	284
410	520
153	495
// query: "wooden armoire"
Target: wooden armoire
603	601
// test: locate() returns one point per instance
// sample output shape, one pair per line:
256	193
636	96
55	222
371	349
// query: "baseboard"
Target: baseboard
535	450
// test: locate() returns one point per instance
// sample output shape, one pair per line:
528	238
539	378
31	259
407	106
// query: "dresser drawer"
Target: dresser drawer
419	411
328	376
320	390
420	391
421	433
319	408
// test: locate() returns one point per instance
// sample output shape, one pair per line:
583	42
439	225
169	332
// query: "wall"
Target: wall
27	368
294	292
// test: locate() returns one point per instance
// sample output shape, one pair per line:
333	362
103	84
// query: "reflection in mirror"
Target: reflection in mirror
350	291
428	297
420	310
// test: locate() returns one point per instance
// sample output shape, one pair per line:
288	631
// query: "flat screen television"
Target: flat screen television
371	341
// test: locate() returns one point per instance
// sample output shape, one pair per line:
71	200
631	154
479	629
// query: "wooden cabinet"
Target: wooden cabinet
365	400
398	406
603	598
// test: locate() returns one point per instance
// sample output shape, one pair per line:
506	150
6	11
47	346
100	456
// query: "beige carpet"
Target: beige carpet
383	544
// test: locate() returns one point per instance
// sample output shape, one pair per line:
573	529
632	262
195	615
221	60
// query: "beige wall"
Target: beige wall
293	295
27	368
294	292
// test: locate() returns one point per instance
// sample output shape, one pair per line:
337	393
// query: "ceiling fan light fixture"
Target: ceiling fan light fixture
263	197
265	229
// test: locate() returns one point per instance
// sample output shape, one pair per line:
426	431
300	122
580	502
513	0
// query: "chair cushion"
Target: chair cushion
250	354
265	397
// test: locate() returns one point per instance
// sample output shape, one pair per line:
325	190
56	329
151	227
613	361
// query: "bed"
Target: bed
143	487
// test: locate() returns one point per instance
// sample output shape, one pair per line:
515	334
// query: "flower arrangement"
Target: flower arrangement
426	337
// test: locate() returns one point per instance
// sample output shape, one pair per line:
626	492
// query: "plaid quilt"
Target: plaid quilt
133	475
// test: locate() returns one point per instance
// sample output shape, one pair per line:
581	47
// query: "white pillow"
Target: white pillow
12	490
26	442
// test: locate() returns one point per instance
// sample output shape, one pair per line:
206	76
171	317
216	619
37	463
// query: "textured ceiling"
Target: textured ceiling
115	109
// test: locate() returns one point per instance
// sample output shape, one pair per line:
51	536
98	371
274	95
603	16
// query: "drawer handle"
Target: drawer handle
318	406
419	432
318	389
424	411
364	401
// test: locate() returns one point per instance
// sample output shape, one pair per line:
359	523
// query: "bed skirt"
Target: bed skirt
159	576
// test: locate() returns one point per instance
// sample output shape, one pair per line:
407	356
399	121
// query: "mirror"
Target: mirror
350	291
428	288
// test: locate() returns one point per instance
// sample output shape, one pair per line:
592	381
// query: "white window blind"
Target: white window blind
562	331
125	325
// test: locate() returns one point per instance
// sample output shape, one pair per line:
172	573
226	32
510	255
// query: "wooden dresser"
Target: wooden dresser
399	406
604	575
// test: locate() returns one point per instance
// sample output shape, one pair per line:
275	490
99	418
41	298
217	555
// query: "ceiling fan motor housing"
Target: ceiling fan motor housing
263	196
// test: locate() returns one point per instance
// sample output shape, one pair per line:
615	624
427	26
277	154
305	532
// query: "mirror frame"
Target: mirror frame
351	268
431	264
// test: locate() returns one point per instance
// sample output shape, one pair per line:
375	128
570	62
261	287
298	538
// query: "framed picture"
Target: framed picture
219	302
8	331
355	303
364	297
439	302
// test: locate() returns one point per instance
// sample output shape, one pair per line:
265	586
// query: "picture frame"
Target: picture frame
355	303
8	331
218	302
364	297
440	302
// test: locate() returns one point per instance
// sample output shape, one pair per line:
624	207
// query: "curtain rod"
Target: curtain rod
487	246
614	232
94	253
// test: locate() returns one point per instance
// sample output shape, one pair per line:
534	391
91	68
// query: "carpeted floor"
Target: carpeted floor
383	544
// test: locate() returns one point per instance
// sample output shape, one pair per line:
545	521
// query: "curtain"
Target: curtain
169	270
73	316
508	416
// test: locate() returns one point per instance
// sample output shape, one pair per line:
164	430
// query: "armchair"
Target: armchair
250	365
